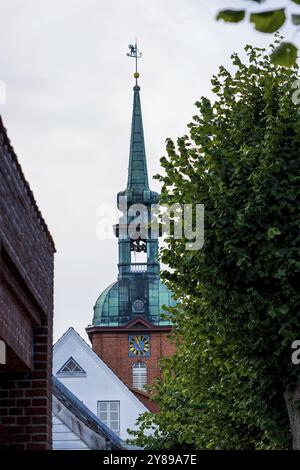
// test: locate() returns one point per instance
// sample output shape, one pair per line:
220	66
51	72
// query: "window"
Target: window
138	257
109	414
139	375
71	368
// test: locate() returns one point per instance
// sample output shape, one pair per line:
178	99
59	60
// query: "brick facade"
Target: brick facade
26	310
111	345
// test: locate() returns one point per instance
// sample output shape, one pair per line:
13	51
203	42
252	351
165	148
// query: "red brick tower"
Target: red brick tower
114	344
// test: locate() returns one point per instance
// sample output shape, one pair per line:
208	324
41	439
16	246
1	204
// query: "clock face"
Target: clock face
139	345
138	306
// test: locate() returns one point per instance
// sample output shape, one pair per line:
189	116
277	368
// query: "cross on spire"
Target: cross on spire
136	54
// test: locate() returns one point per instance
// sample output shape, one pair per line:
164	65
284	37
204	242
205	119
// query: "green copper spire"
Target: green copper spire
138	291
137	170
137	190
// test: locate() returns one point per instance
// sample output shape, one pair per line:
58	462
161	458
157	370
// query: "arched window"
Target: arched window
139	375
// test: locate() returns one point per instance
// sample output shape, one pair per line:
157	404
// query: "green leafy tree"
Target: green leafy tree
231	383
269	21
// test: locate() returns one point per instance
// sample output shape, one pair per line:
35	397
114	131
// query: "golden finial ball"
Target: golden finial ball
136	75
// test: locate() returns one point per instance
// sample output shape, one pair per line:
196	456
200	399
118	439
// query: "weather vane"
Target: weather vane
136	54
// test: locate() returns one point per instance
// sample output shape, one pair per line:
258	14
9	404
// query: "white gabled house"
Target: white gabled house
75	427
81	370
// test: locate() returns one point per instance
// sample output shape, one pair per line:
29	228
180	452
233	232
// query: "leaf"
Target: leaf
284	309
296	1
296	18
285	54
268	21
272	232
231	16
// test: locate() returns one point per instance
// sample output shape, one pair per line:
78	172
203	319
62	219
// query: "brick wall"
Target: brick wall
26	310
112	347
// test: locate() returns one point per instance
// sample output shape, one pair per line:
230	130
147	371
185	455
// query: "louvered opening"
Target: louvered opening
139	375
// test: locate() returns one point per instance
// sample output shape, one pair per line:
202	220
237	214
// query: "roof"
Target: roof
137	190
6	141
73	404
107	310
137	171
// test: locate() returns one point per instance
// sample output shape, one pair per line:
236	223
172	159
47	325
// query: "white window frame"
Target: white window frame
108	419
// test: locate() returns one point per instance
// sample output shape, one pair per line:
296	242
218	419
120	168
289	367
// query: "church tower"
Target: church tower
130	329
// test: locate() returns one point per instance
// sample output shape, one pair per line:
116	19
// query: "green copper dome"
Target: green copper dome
113	307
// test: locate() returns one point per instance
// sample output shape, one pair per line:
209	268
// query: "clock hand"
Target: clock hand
138	342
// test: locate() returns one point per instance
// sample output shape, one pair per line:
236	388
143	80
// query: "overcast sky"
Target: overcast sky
68	111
